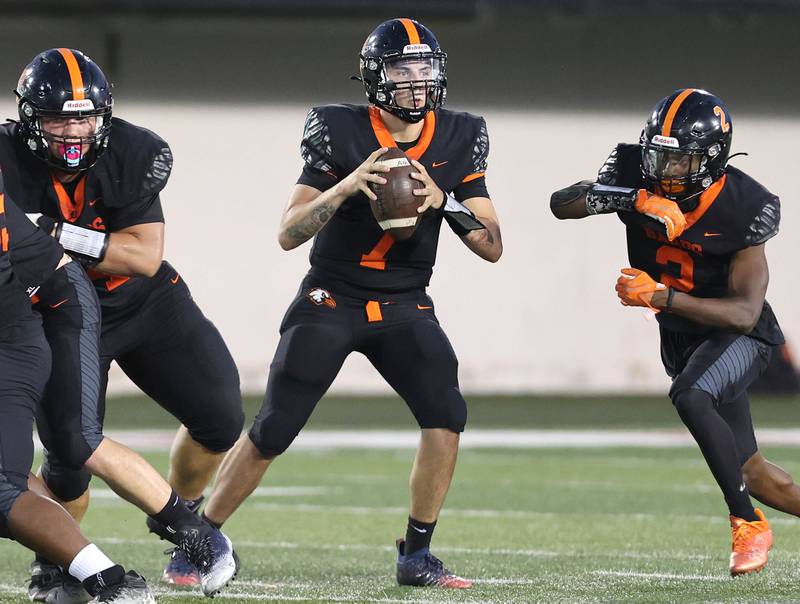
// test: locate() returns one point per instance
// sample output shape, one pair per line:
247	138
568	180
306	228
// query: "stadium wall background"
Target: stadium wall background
558	88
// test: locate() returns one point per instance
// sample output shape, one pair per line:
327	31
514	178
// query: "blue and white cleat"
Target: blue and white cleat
423	569
211	553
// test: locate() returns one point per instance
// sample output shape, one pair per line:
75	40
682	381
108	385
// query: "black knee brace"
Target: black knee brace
66	483
273	432
220	432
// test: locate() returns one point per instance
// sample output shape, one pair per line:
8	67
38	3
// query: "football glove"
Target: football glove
664	210
636	288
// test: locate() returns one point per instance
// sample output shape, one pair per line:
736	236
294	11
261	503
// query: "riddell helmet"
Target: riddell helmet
401	62
686	143
64	83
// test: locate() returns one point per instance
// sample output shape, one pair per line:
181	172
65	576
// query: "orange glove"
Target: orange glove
636	288
662	209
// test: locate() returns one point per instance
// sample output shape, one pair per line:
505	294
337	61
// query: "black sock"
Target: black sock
194	504
718	445
110	576
418	535
176	515
216	525
42	560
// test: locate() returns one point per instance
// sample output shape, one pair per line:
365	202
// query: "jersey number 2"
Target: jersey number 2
667	255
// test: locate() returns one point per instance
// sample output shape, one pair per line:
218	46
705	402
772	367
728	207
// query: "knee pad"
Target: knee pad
220	431
71	449
12	485
274	432
447	409
65	482
691	400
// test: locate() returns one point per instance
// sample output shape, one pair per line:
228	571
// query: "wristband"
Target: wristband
460	217
85	242
670	295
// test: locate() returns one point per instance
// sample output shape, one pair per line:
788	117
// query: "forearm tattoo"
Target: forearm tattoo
308	226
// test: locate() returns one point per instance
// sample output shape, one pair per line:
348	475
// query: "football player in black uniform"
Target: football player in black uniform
97	180
30	516
707	281
365	291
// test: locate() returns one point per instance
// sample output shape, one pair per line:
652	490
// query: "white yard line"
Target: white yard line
472	551
160	440
669	576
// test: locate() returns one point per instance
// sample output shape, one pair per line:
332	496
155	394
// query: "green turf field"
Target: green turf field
585	525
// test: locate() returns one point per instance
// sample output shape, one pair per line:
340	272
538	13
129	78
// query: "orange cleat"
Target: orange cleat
751	544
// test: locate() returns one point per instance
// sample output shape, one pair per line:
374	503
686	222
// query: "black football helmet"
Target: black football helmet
685	144
403	69
64	83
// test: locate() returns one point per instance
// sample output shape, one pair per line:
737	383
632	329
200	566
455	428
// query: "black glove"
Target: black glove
48	224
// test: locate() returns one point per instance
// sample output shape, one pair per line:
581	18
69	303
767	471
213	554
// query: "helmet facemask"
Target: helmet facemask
67	153
679	174
407	85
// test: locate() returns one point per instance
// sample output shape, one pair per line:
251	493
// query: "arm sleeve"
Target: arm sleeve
319	169
474	182
145	210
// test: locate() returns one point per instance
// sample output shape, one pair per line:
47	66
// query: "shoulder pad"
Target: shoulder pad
138	163
766	223
315	147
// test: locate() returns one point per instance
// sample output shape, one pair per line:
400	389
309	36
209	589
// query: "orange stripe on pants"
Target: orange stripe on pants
374	312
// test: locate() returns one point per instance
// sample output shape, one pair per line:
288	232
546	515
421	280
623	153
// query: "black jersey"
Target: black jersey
119	191
351	248
15	304
734	213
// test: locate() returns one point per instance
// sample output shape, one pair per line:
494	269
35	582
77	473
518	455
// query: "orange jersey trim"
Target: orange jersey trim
376	259
70	208
2	203
385	138
673	110
708	197
74	73
473	176
411	30
374	312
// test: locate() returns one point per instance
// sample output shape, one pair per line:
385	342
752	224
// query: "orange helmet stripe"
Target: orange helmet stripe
411	30
74	73
673	109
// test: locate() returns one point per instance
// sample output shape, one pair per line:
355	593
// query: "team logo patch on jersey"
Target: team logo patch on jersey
666	141
321	296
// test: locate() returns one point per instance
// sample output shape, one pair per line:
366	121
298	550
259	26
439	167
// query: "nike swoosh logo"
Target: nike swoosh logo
175	280
57	304
94	201
424	307
742	488
419	530
436	164
712	234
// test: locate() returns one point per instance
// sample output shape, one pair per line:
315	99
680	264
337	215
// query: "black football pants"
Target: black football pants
400	336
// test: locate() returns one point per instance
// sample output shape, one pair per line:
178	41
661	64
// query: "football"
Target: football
395	208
